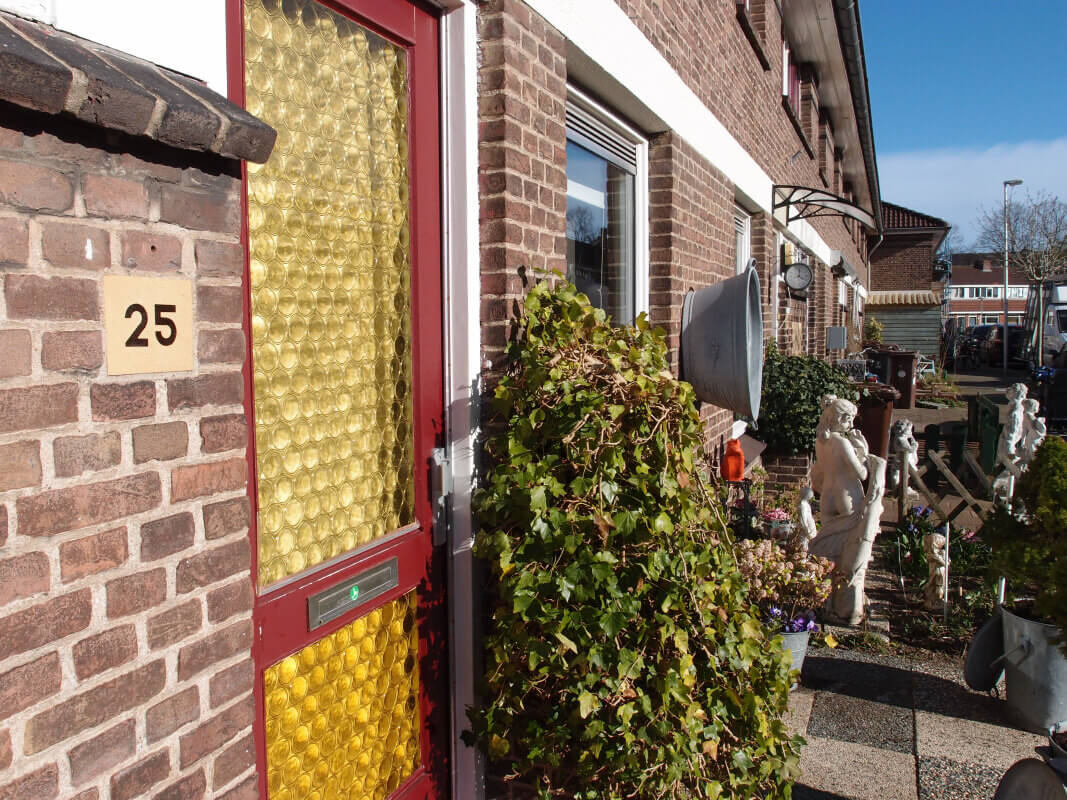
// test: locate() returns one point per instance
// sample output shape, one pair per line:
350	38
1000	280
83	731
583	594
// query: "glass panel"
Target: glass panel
600	232
342	718
330	282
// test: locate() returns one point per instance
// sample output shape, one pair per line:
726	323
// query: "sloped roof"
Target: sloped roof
894	216
972	276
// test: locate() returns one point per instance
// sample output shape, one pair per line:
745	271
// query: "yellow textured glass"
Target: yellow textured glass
330	284
342	717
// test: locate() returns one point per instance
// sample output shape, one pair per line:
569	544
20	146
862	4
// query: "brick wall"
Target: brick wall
903	262
522	160
125	585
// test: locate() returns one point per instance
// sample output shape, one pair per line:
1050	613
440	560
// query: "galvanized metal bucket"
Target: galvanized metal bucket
797	645
1035	672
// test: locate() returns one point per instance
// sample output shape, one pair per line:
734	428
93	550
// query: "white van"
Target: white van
1055	329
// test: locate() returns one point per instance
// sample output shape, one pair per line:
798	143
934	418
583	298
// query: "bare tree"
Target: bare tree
1037	241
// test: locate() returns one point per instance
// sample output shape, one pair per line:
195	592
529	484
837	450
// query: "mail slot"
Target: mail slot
351	593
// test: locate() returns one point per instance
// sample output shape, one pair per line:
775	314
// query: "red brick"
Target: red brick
229	600
225	346
212	566
14	242
209	211
38	407
219	303
16	348
155	252
129	164
109	197
101	753
40	785
211	735
218	389
196	657
29	684
23	576
3	524
80	506
76	350
75	245
138	778
20	465
231	683
77	454
166	717
191	787
34	188
104	651
218	434
5	749
37	297
160	442
226	517
233	761
93	554
206	479
219	259
248	789
123	400
162	537
174	624
89	794
45	622
91	708
134	593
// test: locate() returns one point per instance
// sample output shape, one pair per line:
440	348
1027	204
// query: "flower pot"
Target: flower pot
797	645
1035	672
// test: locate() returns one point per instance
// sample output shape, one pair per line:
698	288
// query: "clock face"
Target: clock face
798	277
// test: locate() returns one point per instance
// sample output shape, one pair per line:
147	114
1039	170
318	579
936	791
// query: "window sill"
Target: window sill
789	112
752	36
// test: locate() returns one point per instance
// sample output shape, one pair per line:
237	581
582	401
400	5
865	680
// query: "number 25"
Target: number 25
161	310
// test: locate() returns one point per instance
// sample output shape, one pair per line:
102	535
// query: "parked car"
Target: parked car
991	348
969	348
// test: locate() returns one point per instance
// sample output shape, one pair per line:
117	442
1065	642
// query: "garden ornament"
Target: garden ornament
935	545
1034	432
849	515
903	447
807	530
1011	436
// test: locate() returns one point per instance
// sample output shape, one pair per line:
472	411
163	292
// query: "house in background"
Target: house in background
906	293
975	295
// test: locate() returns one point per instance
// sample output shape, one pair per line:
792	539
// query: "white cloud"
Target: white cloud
956	183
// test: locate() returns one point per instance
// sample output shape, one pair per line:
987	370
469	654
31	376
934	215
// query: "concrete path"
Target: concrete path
883	727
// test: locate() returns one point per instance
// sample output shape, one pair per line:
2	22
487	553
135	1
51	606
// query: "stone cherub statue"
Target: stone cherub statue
1034	432
935	545
1008	445
850	515
806	530
903	448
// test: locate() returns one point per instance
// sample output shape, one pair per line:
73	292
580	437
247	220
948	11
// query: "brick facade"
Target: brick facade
903	262
125	633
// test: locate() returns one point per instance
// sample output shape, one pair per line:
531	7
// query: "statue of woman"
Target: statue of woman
840	460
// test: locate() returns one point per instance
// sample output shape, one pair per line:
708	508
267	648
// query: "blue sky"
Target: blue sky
965	95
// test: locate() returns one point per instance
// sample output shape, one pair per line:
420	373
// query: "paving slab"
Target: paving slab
796	719
856	771
964	740
855	719
944	779
868	680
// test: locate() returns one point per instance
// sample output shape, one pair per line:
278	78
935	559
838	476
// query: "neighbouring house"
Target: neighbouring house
975	295
242	376
907	288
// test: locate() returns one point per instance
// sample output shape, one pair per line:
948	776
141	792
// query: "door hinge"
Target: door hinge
441	488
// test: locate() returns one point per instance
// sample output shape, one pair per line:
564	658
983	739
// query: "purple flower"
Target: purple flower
775	611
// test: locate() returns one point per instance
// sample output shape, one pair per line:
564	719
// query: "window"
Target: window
991	319
743	239
790	80
842	294
607	210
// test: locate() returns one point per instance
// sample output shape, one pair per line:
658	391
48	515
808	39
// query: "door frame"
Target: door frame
405	24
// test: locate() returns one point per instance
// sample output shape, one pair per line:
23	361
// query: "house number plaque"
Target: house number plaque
148	324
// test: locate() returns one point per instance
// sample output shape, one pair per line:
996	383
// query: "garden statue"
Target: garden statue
806	525
1034	432
1011	436
904	448
935	545
849	515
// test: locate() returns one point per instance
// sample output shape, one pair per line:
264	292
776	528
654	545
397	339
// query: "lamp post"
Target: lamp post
1004	329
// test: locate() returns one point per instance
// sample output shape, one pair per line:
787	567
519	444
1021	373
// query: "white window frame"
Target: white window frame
742	238
613	126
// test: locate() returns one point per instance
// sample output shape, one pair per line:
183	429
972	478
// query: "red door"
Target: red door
344	395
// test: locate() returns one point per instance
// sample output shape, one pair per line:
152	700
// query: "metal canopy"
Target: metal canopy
804	202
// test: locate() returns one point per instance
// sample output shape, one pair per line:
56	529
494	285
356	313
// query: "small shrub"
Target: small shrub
785	583
792	389
873	330
622	659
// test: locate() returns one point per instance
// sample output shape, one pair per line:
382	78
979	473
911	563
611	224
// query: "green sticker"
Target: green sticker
353	593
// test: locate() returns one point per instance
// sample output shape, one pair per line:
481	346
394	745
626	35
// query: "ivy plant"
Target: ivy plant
622	658
789	407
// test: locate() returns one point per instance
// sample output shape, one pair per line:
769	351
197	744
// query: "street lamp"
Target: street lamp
1004	329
